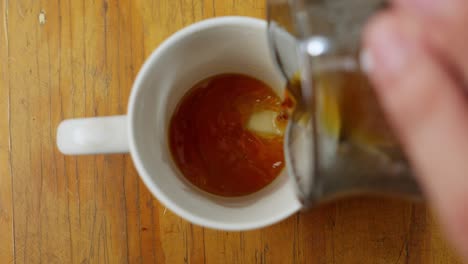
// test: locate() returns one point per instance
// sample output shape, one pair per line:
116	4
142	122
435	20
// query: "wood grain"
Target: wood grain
79	60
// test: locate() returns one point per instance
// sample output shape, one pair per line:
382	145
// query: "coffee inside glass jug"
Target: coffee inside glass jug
338	141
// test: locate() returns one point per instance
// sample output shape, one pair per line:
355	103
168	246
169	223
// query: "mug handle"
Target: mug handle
96	135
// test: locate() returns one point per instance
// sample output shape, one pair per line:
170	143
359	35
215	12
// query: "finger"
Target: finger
429	114
445	29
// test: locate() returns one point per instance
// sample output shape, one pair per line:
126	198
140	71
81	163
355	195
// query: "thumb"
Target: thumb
429	114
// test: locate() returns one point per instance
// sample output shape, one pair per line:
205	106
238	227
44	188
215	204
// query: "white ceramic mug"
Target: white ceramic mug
204	49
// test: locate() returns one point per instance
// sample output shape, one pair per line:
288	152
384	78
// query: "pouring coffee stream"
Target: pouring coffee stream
337	141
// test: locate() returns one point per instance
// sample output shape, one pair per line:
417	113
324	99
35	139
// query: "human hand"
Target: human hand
418	61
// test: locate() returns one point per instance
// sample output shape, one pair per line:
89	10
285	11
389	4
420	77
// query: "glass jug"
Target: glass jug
337	141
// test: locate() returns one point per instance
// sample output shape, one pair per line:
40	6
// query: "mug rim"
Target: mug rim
144	174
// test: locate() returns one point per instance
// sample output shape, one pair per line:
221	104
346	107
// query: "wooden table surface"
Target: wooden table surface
64	58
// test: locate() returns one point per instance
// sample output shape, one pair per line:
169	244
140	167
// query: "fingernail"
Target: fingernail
366	61
387	53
